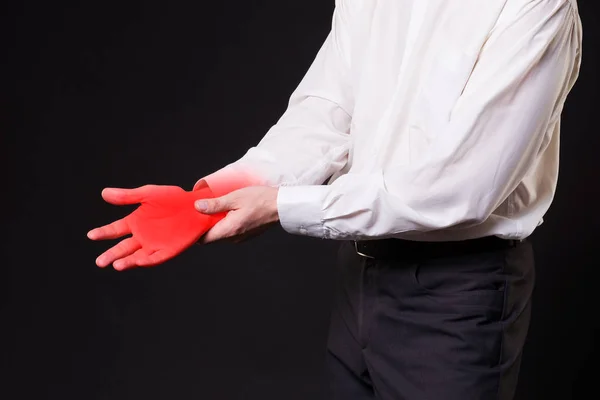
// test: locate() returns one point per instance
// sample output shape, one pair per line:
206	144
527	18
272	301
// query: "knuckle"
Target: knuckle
237	229
233	199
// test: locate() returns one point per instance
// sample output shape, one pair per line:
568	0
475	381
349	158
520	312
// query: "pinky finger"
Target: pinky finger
158	257
130	261
141	258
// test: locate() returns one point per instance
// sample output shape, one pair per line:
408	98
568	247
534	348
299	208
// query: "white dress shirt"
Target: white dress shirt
434	120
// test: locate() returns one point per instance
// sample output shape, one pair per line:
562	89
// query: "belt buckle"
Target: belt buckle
359	253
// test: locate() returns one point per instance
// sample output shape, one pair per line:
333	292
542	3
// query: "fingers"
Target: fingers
223	229
111	231
129	261
155	258
141	258
119	196
124	248
216	205
250	234
234	227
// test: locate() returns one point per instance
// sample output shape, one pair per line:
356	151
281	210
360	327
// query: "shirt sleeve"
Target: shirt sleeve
310	142
496	131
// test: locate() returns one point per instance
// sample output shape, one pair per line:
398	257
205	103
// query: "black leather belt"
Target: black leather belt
403	249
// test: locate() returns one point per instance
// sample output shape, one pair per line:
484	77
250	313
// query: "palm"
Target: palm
166	219
163	226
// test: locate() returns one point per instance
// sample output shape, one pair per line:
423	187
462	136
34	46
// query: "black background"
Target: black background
96	94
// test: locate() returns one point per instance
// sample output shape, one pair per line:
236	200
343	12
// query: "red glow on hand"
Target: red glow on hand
163	226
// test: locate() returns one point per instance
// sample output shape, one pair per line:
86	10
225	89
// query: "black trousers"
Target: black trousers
430	325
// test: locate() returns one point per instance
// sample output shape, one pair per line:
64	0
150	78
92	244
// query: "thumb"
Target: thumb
215	205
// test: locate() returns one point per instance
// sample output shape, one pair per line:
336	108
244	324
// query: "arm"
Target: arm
496	131
310	142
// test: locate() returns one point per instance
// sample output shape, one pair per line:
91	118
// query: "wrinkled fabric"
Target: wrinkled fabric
428	120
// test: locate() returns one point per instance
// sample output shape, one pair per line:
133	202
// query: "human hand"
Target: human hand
163	226
249	211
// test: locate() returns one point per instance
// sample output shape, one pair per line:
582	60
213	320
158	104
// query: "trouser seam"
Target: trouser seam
502	324
361	303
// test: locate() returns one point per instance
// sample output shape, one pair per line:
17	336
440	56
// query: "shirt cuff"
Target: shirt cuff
300	210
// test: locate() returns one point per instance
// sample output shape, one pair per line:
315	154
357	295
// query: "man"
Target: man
437	123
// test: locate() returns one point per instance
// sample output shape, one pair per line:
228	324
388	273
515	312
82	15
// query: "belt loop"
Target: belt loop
359	253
